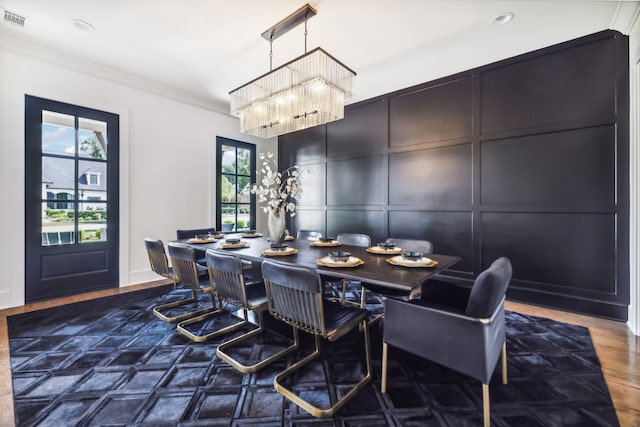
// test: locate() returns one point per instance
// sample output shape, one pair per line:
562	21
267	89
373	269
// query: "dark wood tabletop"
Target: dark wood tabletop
375	270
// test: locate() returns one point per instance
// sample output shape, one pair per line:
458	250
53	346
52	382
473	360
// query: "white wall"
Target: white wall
167	159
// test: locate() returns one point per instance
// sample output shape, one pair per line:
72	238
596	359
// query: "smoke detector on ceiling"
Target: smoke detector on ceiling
13	18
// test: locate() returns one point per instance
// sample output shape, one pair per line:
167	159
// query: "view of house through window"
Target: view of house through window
74	167
235	172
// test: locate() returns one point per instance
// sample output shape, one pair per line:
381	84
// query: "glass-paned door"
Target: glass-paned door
71	198
235	172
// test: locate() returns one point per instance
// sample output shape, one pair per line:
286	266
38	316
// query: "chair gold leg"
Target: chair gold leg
385	349
486	414
159	309
213	312
221	351
504	363
314	410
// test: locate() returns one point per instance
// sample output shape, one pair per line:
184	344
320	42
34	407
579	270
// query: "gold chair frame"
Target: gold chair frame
160	265
303	310
231	288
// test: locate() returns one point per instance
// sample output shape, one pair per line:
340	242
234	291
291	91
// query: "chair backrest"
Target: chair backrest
183	260
354	239
308	235
189	233
413	245
157	257
489	289
225	271
295	295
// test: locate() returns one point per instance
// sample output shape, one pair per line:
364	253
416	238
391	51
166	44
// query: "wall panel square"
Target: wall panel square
439	176
355	182
563	86
430	114
364	129
572	170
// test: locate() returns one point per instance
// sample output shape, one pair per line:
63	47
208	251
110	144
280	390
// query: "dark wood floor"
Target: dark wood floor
617	348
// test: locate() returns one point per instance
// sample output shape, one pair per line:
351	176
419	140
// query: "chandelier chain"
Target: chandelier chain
305	34
271	55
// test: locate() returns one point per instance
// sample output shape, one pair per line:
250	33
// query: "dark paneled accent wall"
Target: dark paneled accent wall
525	158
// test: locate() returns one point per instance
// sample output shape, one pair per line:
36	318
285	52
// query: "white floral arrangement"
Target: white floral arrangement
276	189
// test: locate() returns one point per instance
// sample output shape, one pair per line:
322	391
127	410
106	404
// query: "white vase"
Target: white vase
276	224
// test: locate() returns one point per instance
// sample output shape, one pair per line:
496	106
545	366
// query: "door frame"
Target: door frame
111	277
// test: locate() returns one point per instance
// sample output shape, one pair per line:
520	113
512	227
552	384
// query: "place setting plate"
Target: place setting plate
202	239
251	234
412	261
325	242
385	249
339	259
235	245
279	250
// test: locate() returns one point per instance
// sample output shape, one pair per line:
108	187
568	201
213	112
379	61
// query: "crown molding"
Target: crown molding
64	60
625	16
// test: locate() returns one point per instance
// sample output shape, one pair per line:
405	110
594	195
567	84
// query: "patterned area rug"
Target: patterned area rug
112	362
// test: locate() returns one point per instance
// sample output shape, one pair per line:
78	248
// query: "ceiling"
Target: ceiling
199	50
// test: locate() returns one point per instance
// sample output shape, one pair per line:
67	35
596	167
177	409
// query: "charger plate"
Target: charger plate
325	244
196	240
252	235
351	262
425	262
285	251
381	251
235	245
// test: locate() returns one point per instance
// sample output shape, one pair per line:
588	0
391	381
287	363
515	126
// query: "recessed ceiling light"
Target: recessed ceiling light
83	25
503	19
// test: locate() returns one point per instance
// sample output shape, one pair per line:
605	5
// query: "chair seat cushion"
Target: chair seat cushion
256	295
341	318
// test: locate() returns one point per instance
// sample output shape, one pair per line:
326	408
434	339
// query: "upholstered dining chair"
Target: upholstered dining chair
310	235
182	234
457	327
188	272
188	233
226	272
352	239
414	245
295	296
168	312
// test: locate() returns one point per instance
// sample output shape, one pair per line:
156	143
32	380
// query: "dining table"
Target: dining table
374	268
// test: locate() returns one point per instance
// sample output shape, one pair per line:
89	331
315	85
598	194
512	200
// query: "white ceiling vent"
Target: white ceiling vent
13	18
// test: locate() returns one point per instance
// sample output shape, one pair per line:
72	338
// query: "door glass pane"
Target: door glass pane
228	159
58	182
92	138
244	162
92	221
57	225
58	135
92	180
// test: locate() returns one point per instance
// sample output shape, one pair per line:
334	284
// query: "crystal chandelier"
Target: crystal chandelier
308	91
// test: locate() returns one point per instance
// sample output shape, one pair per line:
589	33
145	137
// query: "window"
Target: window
93	179
235	171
